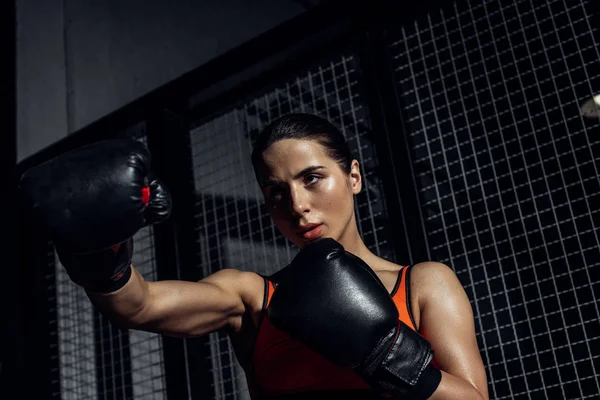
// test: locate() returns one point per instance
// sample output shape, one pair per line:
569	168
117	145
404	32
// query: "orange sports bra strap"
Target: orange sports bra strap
401	298
402	288
270	290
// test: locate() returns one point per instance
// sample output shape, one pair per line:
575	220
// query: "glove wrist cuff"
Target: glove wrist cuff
103	271
401	365
106	285
427	384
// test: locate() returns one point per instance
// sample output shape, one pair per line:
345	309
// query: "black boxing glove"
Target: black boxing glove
92	200
332	302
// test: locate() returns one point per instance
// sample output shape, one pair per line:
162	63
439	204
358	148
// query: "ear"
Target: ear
355	178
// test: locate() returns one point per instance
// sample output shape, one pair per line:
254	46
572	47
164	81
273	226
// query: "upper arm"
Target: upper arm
446	321
217	302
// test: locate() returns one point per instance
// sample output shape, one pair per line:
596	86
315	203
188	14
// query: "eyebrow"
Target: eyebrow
308	170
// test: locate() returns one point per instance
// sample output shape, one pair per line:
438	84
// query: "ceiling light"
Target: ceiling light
591	108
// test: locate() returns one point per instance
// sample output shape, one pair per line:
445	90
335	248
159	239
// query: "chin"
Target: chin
301	242
305	242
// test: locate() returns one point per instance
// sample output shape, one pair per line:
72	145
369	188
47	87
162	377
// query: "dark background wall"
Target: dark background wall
465	115
80	60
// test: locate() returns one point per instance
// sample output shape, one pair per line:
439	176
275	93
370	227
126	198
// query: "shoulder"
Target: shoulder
234	277
431	269
248	285
248	288
433	279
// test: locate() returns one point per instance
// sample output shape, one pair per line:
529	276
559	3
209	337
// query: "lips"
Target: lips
311	231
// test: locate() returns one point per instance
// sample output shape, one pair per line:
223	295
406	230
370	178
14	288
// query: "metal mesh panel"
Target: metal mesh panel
75	339
508	181
147	366
233	229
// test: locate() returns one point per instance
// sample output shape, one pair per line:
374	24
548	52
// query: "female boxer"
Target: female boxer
384	331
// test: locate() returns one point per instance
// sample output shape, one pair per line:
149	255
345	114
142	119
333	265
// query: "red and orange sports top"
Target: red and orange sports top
282	366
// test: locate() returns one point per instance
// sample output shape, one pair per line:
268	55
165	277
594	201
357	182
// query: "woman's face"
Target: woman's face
307	193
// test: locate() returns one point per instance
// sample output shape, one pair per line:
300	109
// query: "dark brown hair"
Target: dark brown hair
307	127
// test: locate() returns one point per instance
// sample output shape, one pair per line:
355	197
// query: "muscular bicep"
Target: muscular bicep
217	302
446	321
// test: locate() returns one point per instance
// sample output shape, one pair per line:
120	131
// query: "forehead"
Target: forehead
289	156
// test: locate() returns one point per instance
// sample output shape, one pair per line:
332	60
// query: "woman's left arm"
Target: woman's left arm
446	321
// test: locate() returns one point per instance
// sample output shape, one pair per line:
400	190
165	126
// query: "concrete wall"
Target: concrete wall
78	60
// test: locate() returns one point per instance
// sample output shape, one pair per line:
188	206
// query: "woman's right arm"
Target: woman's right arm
91	201
182	308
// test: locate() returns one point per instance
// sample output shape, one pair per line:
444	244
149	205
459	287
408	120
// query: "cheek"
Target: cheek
281	217
333	195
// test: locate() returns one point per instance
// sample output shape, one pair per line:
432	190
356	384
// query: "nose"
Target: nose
299	201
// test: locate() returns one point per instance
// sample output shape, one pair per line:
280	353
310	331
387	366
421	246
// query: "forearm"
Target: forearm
124	306
452	387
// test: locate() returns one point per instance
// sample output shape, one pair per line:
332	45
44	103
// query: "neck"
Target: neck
354	244
360	250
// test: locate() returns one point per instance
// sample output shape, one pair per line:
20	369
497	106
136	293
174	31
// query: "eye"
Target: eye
276	194
311	179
